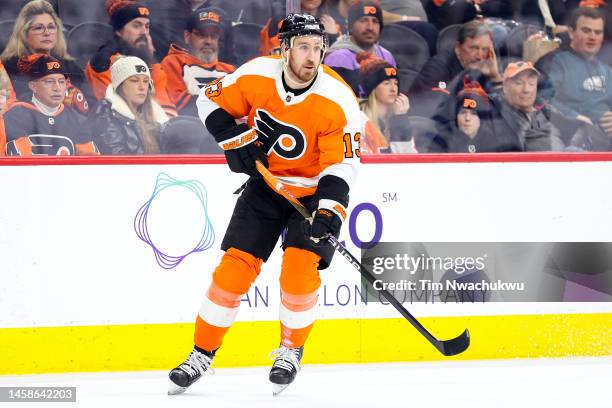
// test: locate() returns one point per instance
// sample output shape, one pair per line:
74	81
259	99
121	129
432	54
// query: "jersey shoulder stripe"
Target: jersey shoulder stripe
268	67
333	88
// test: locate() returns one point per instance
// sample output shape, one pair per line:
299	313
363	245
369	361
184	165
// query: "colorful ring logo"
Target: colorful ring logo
141	224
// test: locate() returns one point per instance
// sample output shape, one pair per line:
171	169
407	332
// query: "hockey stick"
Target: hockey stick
447	347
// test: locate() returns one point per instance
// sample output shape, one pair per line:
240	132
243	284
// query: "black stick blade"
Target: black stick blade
455	346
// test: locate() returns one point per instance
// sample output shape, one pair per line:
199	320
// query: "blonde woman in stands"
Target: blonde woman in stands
128	120
38	30
384	108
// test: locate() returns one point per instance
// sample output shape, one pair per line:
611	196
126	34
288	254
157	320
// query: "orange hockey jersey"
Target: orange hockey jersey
187	74
307	136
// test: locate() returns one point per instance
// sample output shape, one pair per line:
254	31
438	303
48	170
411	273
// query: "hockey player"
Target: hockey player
303	122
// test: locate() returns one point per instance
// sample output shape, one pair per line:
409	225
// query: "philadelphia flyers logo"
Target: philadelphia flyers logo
41	145
209	16
469	103
285	140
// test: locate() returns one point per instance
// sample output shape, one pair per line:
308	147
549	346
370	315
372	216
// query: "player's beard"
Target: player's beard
302	74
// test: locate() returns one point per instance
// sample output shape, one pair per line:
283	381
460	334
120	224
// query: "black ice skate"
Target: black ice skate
190	371
286	366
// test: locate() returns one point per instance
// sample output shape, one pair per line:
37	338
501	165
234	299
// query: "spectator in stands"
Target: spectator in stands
474	50
384	108
325	10
190	69
334	14
472	129
132	38
365	22
38	29
582	84
128	120
44	125
519	115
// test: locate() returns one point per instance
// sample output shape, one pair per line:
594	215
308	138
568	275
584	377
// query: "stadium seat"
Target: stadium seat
409	49
246	41
6	29
517	37
423	130
85	39
406	78
75	12
187	135
447	38
9	9
245	11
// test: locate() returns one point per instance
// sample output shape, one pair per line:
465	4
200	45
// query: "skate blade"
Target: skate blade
175	389
278	388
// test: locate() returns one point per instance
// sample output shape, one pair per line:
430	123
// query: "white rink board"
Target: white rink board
69	254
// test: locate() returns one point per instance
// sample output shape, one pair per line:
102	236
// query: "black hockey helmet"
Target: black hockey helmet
299	24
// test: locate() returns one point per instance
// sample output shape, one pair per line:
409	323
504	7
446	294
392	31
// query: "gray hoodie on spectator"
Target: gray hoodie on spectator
581	87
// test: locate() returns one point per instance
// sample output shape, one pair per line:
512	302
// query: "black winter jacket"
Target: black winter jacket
115	133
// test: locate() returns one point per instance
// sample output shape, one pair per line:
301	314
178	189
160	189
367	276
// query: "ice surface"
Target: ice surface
576	382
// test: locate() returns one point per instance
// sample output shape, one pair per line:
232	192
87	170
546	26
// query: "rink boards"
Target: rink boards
91	278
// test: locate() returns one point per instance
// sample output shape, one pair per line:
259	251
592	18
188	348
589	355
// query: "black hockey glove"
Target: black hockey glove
324	223
327	219
242	149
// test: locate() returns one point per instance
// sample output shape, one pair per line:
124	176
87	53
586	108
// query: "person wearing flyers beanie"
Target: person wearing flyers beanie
45	125
131	22
384	108
365	25
130	121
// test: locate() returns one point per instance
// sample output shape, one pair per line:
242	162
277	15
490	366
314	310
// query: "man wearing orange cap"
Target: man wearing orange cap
519	114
